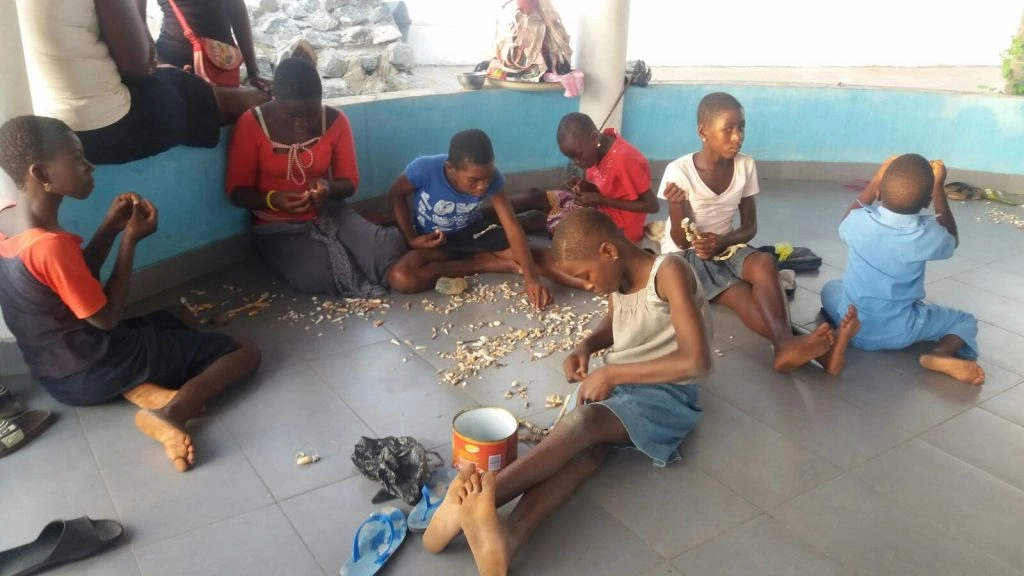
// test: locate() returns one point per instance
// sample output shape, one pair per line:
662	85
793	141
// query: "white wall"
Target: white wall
753	32
14	98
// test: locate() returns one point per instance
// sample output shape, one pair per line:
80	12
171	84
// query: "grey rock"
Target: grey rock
336	88
272	24
351	15
401	56
266	68
296	11
354	35
382	15
322	21
386	33
404	81
329	5
321	40
369	63
332	63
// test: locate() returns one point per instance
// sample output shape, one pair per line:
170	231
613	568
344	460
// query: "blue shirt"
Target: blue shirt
437	204
886	259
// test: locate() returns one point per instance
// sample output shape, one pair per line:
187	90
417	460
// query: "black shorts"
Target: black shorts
169	108
478	237
156	348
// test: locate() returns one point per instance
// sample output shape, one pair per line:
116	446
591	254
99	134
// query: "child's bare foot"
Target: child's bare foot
150	396
835	359
177	444
445	525
966	371
487	536
491	262
802	349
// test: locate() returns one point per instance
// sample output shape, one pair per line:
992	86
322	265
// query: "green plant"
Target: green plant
1013	66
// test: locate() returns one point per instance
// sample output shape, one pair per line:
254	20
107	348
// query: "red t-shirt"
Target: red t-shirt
623	174
253	162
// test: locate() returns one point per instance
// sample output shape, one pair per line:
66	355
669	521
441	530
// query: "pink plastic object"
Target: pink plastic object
572	82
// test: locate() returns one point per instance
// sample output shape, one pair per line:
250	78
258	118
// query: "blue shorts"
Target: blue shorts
922	322
657	417
717	276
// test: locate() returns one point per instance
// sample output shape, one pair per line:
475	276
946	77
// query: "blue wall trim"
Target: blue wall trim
969	131
977	132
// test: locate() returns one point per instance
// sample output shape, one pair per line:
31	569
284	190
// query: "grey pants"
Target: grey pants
290	249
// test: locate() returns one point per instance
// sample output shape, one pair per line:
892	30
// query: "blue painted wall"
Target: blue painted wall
390	133
968	131
187	187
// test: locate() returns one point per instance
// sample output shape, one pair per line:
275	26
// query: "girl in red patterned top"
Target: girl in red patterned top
292	162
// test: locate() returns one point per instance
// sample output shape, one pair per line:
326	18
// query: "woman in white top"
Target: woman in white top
92	64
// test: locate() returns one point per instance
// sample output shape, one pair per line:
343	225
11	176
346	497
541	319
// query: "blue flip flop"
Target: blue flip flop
433	492
376	540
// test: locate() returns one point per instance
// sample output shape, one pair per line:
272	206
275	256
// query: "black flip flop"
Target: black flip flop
8	405
16	432
60	542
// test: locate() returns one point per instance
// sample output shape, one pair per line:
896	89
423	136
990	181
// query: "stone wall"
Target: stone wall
359	46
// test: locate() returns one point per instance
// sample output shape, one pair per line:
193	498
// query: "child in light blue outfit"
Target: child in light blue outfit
884	278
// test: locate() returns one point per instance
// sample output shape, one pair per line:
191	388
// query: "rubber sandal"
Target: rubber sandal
433	492
998	196
8	405
962	191
375	542
60	542
16	432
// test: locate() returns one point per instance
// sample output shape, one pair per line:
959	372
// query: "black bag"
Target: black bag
800	260
638	73
401	464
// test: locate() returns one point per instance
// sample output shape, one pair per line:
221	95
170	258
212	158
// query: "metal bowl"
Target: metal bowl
472	80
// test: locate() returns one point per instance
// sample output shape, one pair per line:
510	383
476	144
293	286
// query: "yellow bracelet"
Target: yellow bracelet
269	205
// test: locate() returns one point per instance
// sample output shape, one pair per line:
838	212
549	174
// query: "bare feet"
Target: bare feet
487	536
966	371
835	359
802	349
445	525
177	444
491	262
150	396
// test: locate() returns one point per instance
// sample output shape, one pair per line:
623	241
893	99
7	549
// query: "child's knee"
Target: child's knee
760	265
585	420
249	352
403	280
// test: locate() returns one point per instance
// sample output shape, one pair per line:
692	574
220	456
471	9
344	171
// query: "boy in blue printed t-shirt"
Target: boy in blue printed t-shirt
889	246
448	234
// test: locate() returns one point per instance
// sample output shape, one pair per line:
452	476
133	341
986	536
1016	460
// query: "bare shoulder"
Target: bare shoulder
675	279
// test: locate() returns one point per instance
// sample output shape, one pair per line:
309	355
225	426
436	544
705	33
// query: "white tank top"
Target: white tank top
642	323
71	73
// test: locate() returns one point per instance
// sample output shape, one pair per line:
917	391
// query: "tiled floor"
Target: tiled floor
887	469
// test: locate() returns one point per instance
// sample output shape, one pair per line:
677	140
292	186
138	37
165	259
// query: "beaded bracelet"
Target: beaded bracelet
269	205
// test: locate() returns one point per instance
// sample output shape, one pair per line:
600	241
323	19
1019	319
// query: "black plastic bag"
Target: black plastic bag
400	463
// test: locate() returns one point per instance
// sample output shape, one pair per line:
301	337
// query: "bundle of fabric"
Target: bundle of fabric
530	42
